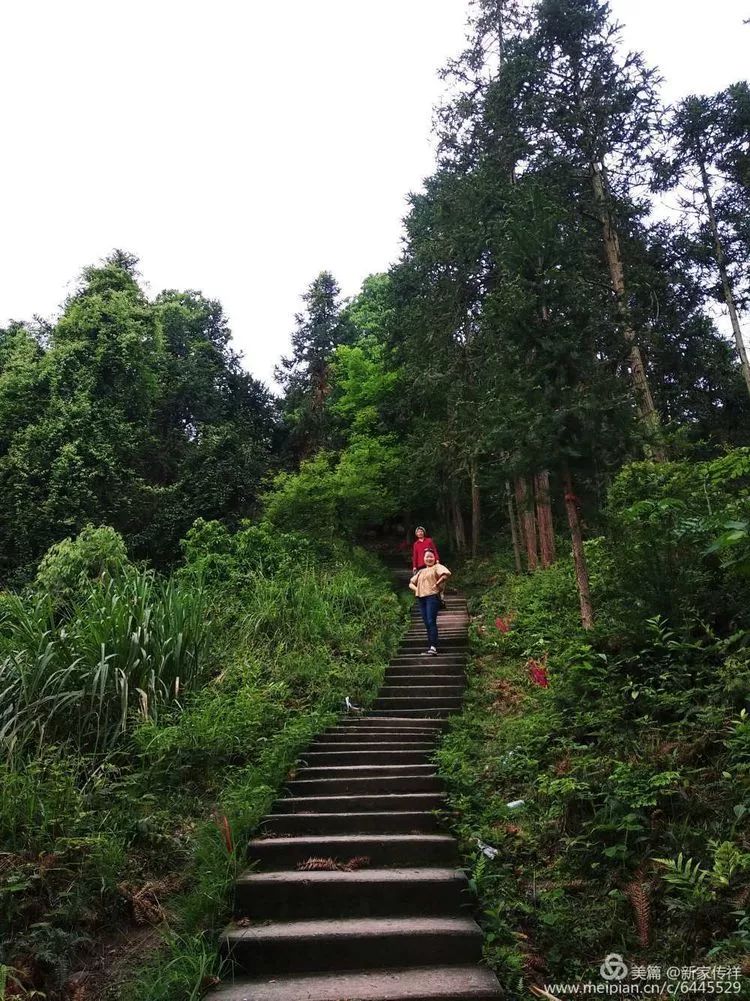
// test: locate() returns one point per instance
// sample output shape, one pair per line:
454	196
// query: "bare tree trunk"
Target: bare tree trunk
721	263
444	509
459	529
500	35
513	530
519	487
475	505
544	519
528	521
643	398
579	556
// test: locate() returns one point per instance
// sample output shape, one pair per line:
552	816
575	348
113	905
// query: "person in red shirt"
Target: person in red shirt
422	543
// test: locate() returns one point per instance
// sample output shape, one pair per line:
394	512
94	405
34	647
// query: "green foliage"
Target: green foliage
184	969
126	648
632	765
306	374
68	568
339	495
149	720
681	525
130	413
363	384
225	559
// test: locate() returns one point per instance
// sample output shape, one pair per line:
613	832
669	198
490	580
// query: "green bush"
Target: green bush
680	542
339	495
68	568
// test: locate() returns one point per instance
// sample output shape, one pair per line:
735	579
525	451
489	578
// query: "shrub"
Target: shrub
68	567
334	495
678	540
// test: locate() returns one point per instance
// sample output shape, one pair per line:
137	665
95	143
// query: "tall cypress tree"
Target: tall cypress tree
306	374
592	113
710	137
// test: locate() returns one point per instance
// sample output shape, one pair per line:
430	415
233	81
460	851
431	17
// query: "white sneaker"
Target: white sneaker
432	652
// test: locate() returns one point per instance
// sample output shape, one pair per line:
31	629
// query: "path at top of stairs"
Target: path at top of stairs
384	914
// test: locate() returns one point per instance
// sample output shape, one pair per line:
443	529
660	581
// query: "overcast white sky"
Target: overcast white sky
239	147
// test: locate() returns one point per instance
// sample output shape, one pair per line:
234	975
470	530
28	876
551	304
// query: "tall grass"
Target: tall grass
125	649
312	607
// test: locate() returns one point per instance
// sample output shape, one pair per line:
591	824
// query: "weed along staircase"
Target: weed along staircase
355	894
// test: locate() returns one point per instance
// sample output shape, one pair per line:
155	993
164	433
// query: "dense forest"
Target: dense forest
553	377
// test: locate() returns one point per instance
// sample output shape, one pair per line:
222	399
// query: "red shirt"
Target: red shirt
418	551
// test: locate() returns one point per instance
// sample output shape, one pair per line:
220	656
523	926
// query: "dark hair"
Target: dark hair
430	551
420	527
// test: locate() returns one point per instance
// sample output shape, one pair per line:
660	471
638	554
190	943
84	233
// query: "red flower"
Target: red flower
538	673
503	624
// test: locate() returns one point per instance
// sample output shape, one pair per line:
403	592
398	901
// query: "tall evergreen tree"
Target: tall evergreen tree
592	112
306	375
710	140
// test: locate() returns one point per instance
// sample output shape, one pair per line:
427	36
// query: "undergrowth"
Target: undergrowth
129	798
600	781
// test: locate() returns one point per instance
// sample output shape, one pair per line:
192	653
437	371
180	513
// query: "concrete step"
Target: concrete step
370	739
369	720
435	667
360	771
396	676
371	822
418	657
425	983
367	785
421	702
418	648
366	743
359	802
442	662
448	639
455	637
451	620
442	713
373	735
420	691
364	756
354	944
381	849
367	790
363	893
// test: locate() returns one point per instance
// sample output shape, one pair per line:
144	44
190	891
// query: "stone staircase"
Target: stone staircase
393	920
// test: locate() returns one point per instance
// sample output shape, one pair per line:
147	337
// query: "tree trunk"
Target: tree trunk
579	556
544	519
500	35
475	505
519	487
721	263
513	530
457	518
643	398
527	520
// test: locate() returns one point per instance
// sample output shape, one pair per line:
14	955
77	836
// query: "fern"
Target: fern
688	877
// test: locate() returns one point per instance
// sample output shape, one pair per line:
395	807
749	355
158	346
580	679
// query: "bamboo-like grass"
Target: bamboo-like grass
128	647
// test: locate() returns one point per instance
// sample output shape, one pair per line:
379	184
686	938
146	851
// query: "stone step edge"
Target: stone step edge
425	983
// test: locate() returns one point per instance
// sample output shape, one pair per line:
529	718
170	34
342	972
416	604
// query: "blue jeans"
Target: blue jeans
429	606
